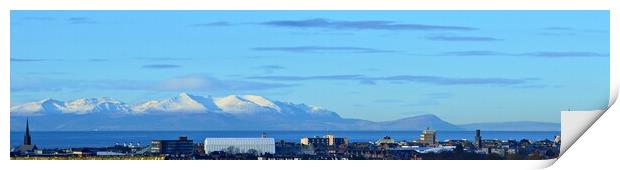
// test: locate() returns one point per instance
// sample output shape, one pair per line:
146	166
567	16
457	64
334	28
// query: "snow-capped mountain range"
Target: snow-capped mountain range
183	103
78	106
234	112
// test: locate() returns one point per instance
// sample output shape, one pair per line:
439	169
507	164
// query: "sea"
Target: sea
74	139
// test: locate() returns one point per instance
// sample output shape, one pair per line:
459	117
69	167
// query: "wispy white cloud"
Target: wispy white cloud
26	59
362	25
81	20
460	38
212	24
161	66
540	54
323	49
268	69
197	82
208	83
436	80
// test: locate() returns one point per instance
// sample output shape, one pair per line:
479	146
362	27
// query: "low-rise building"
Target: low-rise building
83	152
498	151
428	137
240	145
180	147
327	140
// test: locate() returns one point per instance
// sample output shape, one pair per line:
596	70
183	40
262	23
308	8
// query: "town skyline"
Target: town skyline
328	147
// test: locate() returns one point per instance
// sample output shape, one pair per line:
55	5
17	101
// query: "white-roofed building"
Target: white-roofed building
240	145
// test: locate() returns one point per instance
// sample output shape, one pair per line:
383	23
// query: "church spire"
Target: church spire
27	136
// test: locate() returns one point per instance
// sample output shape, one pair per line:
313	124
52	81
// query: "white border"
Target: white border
311	4
605	128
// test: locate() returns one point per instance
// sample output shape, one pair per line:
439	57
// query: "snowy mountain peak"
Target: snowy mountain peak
184	95
91	101
240	104
261	101
41	107
78	106
233	105
182	103
95	105
46	100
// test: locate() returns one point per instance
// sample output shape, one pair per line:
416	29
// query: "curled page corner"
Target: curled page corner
574	124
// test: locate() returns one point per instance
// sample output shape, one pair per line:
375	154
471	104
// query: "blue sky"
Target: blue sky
464	66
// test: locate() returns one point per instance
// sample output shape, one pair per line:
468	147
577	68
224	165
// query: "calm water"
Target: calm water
99	138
